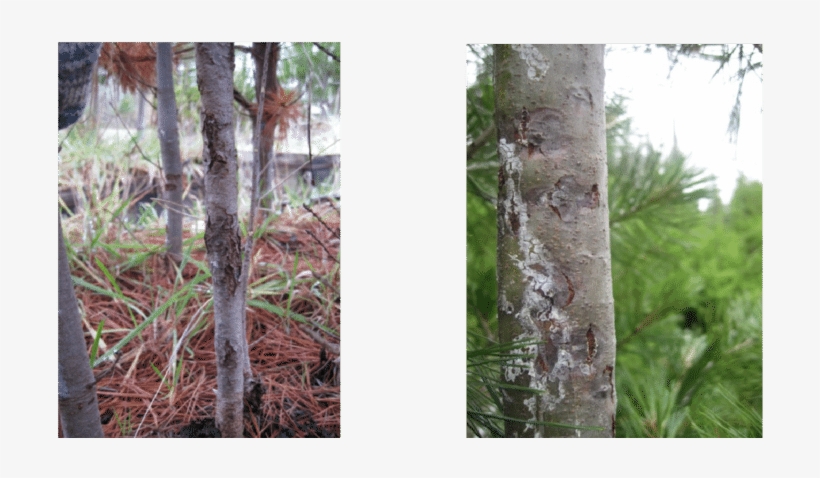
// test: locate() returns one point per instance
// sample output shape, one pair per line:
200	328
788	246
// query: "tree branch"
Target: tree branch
480	141
329	53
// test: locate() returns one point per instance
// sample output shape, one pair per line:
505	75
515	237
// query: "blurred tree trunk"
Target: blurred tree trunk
554	266
270	87
95	99
77	390
76	386
140	99
168	133
215	65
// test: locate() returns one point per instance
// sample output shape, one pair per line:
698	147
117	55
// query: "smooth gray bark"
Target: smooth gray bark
77	390
168	133
215	65
554	266
76	386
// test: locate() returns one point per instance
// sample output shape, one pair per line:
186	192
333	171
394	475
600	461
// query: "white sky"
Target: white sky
694	106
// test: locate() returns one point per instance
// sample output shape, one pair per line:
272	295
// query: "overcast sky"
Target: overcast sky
693	105
696	108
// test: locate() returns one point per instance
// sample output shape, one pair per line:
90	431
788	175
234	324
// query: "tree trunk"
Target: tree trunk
140	99
95	99
168	133
215	65
554	269
266	143
76	388
77	391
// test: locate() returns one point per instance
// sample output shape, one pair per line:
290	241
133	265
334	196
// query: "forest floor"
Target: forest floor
162	382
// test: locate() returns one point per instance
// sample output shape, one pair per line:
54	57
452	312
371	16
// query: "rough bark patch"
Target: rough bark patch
541	130
217	161
569	198
224	244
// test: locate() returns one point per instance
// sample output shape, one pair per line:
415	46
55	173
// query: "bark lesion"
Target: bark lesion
227	354
223	241
569	197
592	345
515	224
211	129
547	133
608	372
549	349
570	290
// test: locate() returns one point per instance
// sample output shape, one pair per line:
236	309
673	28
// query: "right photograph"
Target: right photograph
614	241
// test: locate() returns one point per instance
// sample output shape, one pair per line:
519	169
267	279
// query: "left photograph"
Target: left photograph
199	240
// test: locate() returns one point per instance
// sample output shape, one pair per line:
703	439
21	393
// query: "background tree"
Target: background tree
320	64
139	69
270	89
215	64
554	279
295	71
168	134
77	389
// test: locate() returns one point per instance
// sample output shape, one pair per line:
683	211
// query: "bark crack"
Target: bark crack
592	345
